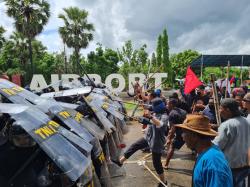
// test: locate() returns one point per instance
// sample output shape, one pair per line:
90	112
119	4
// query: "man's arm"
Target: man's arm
225	134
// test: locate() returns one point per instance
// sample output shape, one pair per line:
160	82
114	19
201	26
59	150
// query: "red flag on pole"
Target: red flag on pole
191	81
232	80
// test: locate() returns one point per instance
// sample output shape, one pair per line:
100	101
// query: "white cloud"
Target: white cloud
211	27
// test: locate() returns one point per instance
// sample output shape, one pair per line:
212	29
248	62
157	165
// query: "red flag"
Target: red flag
16	79
191	81
232	80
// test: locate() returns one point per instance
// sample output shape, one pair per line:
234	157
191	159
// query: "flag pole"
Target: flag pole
241	72
216	100
228	67
201	66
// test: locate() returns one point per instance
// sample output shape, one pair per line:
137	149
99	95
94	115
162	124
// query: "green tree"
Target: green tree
76	32
127	53
180	62
159	51
2	39
20	48
153	60
15	54
102	61
141	56
165	53
30	17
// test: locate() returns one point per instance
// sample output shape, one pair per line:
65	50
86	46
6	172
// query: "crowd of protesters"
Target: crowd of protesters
222	150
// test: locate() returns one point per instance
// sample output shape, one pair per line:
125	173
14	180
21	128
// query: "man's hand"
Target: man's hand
144	120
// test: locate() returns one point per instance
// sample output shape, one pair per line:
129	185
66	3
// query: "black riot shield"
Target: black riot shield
101	116
54	141
92	127
19	95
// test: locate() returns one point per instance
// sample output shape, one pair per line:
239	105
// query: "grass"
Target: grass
131	107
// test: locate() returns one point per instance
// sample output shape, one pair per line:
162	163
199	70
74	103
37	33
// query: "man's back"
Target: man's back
212	169
234	140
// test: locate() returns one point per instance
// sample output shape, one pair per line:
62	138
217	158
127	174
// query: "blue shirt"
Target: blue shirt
212	169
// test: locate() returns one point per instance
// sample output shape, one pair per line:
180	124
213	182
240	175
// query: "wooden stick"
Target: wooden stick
216	100
151	76
154	175
132	103
228	67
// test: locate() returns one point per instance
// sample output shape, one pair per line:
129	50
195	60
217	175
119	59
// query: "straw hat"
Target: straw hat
199	124
247	97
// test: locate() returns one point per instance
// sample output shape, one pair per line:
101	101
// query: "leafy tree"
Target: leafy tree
220	73
127	53
15	54
159	51
59	64
180	62
165	56
8	58
30	17
102	61
141	56
20	48
2	39
76	32
153	59
45	65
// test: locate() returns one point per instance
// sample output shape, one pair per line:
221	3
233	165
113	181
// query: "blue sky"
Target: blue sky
208	26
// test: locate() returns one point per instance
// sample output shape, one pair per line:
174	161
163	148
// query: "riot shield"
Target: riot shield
101	115
12	108
64	93
104	103
19	95
51	137
92	127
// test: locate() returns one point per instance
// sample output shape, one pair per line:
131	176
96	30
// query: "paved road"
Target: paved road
179	173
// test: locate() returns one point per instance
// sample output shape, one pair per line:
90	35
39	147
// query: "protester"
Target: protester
159	94
234	140
209	111
211	168
246	104
174	139
155	137
202	95
239	98
181	102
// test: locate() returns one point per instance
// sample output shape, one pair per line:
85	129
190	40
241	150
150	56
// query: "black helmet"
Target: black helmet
19	137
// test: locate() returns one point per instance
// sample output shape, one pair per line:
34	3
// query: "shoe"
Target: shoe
161	185
117	162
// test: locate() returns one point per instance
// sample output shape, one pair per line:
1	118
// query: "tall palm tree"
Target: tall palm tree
20	47
76	32
30	17
2	39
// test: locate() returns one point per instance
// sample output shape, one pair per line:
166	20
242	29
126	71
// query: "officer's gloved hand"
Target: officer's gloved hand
144	121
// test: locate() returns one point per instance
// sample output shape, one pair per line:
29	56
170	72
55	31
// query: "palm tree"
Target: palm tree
76	32
20	47
30	17
2	39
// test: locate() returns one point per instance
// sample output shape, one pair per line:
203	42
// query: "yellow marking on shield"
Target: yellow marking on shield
8	91
64	114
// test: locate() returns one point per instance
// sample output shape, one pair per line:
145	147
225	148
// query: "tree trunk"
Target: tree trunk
30	57
77	67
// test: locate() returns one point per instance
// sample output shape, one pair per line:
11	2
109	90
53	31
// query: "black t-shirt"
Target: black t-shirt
177	116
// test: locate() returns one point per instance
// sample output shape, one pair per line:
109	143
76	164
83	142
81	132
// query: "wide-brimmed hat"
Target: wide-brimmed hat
199	124
247	97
